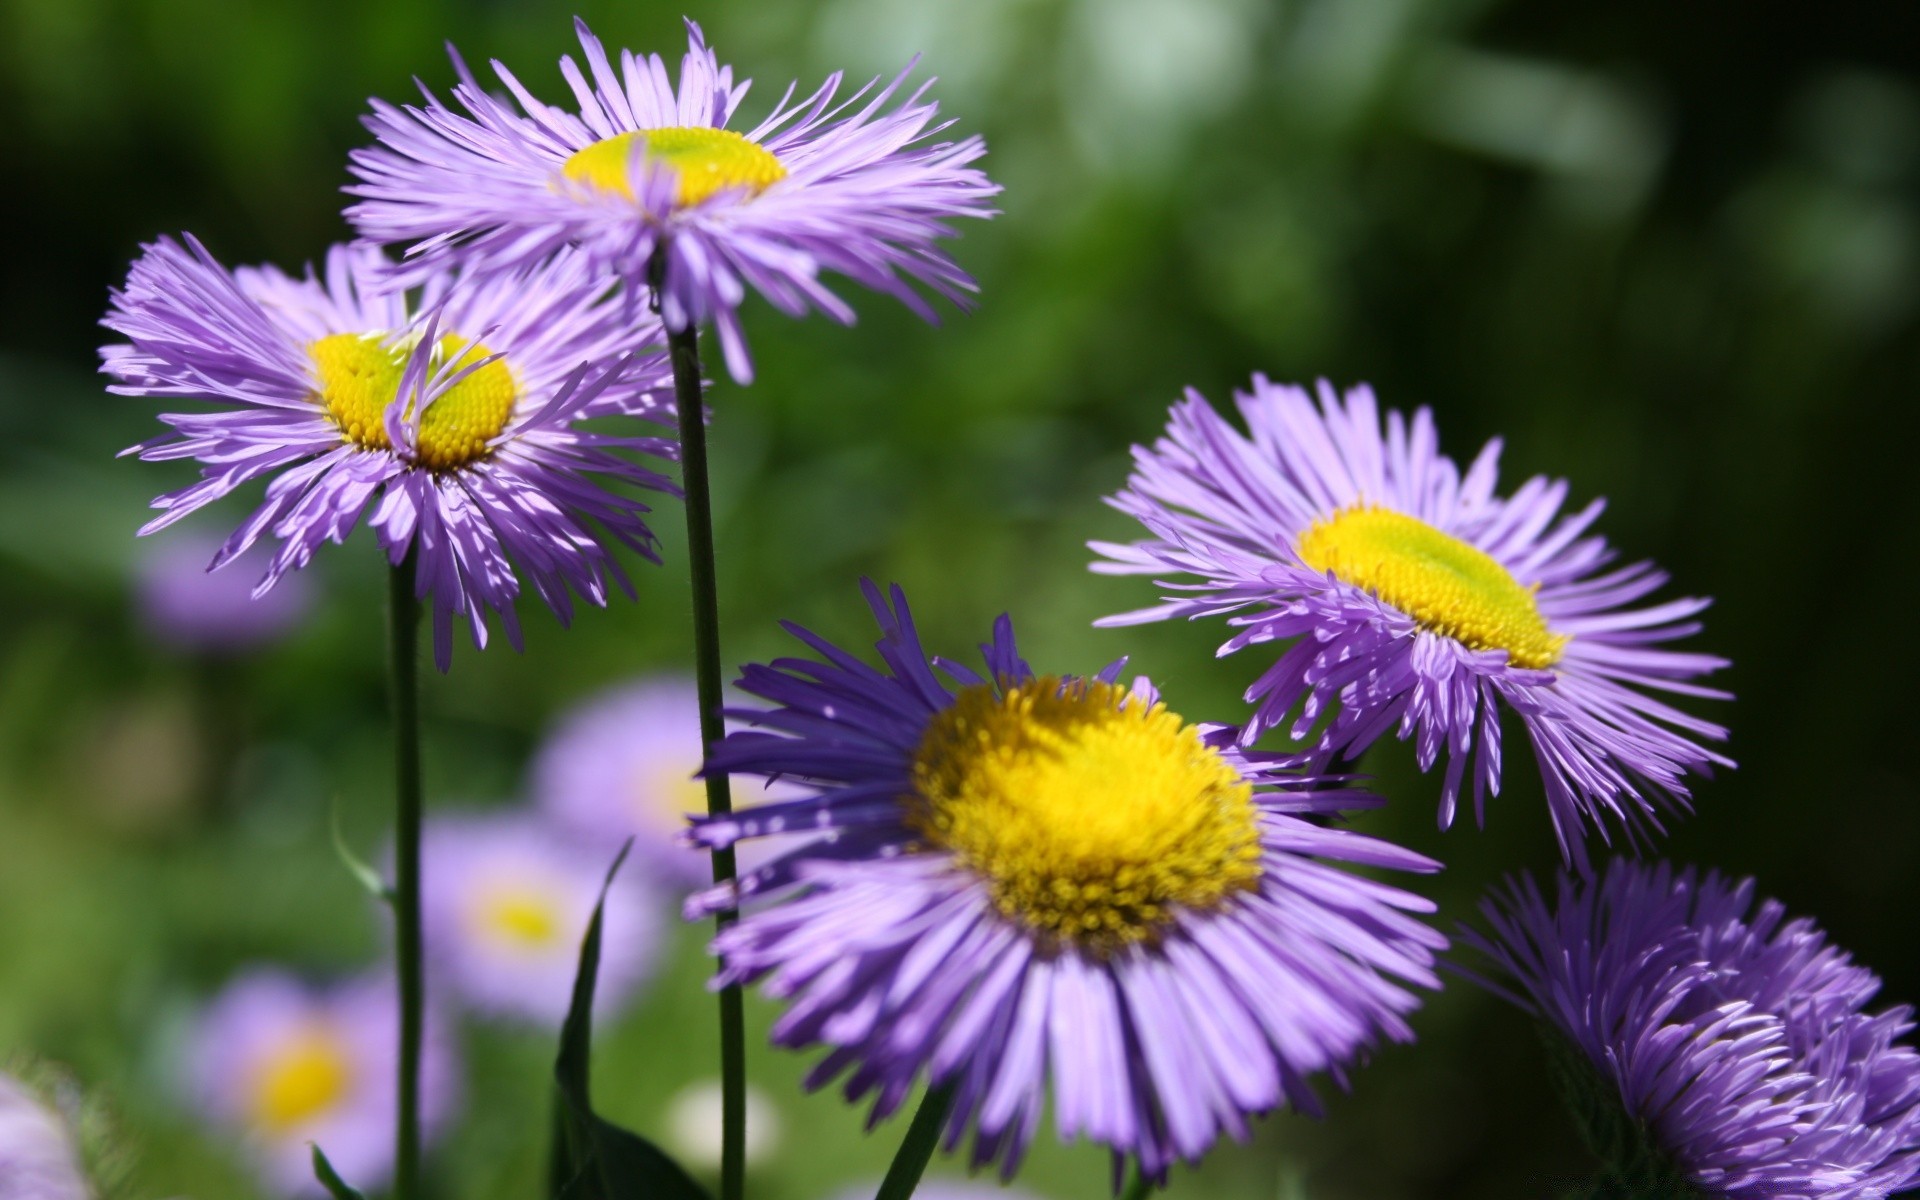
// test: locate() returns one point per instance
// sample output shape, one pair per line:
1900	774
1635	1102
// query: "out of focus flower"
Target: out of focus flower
453	426
1415	598
1734	1039
505	903
287	1065
37	1159
185	603
625	764
694	1122
1027	880
649	183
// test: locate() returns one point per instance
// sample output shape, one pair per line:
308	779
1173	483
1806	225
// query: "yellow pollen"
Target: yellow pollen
1444	584
706	160
663	796
360	376
520	916
1092	815
302	1080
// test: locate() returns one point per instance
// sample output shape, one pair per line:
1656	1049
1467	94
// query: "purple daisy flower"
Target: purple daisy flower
1025	879
626	764
1417	598
1735	1038
648	171
286	1065
504	905
184	604
488	473
37	1160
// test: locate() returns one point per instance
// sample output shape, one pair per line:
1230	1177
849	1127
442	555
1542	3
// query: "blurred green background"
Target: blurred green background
1667	251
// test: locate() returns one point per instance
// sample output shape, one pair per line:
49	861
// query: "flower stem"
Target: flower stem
685	350
404	639
917	1147
1141	1186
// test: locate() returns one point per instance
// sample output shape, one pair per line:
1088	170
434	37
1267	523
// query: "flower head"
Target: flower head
285	1065
646	177
1020	878
1416	598
37	1159
1736	1040
452	426
185	604
504	906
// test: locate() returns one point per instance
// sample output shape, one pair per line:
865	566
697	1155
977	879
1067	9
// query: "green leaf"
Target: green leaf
357	867
330	1179
594	1159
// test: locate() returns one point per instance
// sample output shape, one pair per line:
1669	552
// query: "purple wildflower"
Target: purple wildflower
505	904
1027	878
489	470
286	1065
1417	598
184	603
1736	1038
37	1160
649	171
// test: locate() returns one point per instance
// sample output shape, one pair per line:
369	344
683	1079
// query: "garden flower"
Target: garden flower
626	764
286	1065
1418	599
185	605
1735	1039
647	177
505	904
1027	878
452	427
37	1159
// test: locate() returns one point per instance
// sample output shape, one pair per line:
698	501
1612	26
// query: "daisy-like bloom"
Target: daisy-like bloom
504	906
37	1159
626	764
646	170
1735	1039
184	605
1026	879
287	1065
1415	597
452	426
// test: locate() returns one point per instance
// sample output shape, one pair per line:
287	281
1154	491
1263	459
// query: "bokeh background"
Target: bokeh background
1667	251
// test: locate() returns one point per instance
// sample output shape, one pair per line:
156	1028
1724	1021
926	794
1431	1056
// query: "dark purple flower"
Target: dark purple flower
1415	599
1026	883
1735	1038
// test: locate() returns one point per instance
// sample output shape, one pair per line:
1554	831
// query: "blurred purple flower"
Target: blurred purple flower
505	903
649	171
185	603
285	1064
37	1159
1736	1038
1023	879
1417	599
452	427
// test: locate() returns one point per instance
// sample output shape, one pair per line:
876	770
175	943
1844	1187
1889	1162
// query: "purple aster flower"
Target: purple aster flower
1734	1038
648	171
1419	600
504	905
186	604
37	1160
1027	878
625	764
285	1065
453	426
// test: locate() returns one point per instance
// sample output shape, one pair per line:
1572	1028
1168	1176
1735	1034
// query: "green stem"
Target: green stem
910	1160
404	636
685	349
1140	1187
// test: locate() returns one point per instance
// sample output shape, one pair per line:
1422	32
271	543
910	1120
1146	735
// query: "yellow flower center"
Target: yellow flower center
519	916
360	376
1444	584
705	160
1092	815
664	795
301	1080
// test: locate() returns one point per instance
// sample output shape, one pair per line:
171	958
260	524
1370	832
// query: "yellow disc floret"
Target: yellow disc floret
360	376
705	160
304	1078
1444	584
522	917
1092	815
